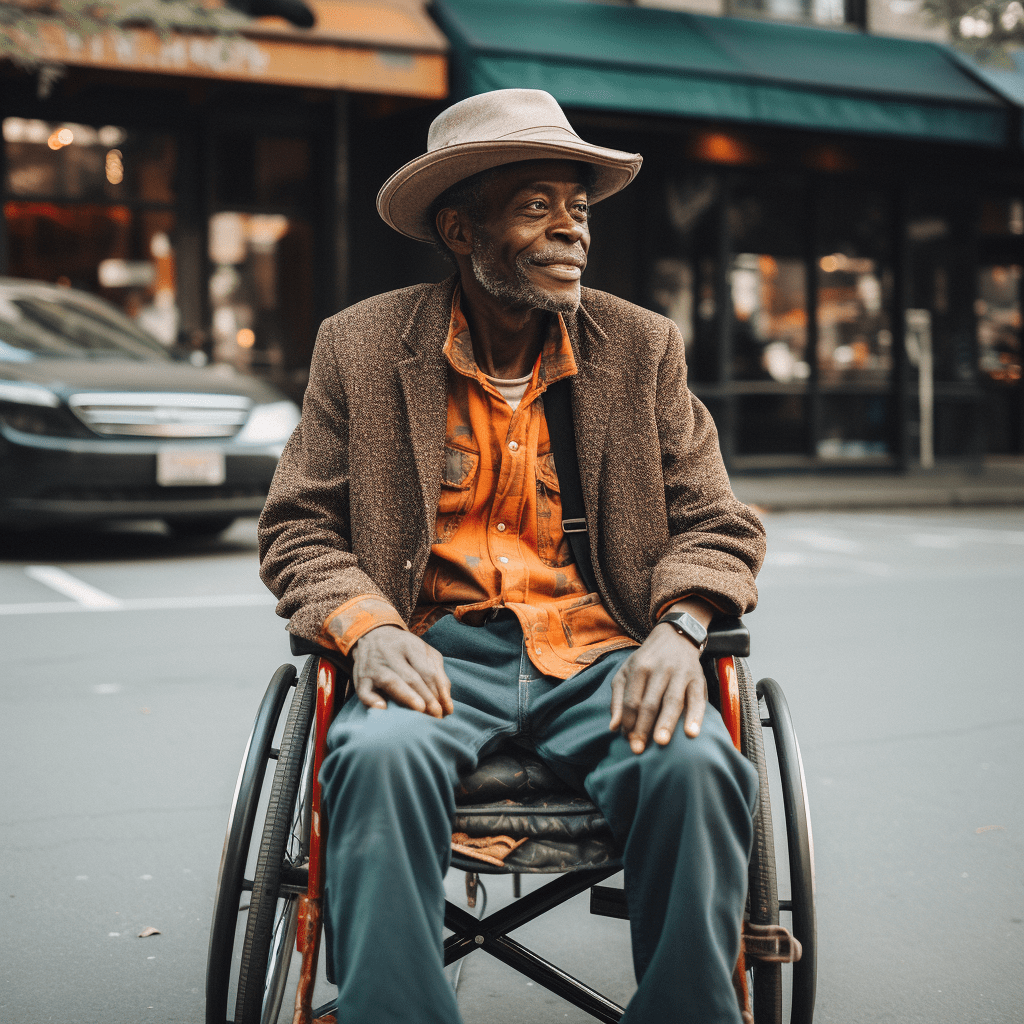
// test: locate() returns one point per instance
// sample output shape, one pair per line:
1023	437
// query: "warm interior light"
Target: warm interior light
115	167
246	338
65	136
722	149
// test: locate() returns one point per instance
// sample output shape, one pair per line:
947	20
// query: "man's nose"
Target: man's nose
567	226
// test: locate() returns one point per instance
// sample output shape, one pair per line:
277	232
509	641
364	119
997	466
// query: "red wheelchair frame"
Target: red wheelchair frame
766	945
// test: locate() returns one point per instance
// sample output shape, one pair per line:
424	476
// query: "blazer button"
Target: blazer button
408	564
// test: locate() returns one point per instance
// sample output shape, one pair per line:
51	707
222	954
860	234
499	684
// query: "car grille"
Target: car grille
128	414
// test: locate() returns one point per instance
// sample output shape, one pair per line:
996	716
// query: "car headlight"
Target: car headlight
269	424
18	393
33	409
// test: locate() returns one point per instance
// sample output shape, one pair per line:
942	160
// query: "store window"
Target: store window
681	281
817	12
91	207
260	290
124	255
855	339
261	170
768	289
81	162
998	310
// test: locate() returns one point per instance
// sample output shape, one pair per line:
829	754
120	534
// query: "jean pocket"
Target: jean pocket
458	487
552	544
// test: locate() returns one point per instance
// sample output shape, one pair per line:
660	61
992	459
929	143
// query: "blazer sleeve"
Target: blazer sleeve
716	543
305	539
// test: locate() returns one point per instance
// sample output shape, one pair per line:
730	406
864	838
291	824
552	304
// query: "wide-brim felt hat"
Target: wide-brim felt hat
495	128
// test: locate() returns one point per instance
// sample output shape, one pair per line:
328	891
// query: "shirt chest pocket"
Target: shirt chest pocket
458	488
552	544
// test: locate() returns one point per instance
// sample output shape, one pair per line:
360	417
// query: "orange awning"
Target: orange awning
390	47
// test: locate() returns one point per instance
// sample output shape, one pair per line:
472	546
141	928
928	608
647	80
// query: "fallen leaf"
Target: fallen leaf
146	932
989	828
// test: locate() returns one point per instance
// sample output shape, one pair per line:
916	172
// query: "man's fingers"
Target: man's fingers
400	692
429	666
636	684
696	703
671	708
618	688
368	695
647	712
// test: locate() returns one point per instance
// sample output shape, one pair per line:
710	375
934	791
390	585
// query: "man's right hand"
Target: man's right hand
394	664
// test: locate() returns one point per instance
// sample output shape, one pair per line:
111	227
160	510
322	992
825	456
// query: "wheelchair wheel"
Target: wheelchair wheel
801	849
273	911
231	882
762	892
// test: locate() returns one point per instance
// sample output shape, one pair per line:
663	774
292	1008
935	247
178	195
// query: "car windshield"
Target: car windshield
44	326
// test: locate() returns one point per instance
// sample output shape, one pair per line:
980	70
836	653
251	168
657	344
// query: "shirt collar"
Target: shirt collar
556	359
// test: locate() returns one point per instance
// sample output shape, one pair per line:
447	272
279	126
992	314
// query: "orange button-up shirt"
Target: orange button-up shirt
499	540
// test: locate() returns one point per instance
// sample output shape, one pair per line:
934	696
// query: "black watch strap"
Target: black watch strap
686	625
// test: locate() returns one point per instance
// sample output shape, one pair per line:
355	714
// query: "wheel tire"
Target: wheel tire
270	927
237	840
199	528
762	892
801	849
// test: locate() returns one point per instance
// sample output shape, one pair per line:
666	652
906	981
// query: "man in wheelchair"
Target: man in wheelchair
495	582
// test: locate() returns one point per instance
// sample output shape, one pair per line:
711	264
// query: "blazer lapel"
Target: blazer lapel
424	383
592	404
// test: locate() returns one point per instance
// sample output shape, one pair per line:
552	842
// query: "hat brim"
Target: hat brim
404	200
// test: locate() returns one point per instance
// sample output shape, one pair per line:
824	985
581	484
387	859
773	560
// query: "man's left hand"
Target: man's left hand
661	682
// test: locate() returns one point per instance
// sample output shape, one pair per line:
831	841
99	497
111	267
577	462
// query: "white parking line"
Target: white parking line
141	604
71	586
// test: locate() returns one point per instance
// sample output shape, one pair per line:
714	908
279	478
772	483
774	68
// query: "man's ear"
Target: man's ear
455	230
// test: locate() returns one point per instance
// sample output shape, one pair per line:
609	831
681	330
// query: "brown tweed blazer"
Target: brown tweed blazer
351	509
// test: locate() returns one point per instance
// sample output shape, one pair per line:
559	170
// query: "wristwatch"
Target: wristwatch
686	625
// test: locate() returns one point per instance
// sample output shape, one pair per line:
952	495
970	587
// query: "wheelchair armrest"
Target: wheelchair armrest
727	636
301	647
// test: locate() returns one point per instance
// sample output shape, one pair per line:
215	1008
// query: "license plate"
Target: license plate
178	468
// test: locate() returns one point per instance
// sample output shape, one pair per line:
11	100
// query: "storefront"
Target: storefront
202	184
834	220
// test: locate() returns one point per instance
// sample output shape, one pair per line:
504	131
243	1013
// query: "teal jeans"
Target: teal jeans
682	815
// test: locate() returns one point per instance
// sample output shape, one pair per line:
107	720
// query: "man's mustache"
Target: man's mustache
547	257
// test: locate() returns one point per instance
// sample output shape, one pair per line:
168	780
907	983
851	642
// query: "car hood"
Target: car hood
69	376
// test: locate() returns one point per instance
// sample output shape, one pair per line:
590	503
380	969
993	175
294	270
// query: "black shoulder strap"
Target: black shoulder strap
558	412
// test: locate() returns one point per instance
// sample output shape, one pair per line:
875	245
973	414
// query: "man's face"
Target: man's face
530	248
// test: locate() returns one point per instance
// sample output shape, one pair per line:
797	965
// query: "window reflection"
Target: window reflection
999	323
127	256
77	161
820	12
769	310
681	281
854	339
260	290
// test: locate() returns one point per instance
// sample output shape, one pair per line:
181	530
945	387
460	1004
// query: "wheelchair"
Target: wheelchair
282	873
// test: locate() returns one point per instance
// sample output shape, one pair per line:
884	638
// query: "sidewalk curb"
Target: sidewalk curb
816	494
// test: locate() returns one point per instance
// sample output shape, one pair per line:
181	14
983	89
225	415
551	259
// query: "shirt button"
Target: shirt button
513	446
503	559
501	527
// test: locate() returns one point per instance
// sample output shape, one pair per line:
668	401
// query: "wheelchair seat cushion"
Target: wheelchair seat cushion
512	793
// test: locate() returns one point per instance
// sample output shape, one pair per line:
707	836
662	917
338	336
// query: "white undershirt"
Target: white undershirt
512	390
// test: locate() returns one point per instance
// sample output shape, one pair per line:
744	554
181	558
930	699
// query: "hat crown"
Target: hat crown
500	114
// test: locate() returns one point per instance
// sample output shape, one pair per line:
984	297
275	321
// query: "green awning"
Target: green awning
646	60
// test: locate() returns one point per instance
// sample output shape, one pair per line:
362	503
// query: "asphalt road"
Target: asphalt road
131	666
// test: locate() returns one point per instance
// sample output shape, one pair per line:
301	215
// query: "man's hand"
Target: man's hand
394	664
659	683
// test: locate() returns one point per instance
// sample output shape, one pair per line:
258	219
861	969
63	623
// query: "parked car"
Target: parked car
98	421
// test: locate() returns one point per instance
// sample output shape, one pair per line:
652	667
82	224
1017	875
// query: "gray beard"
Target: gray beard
520	292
